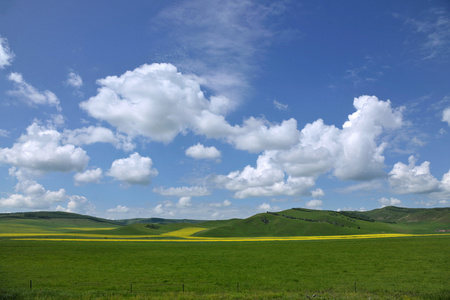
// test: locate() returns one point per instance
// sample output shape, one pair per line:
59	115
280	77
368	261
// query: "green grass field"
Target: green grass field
386	268
293	254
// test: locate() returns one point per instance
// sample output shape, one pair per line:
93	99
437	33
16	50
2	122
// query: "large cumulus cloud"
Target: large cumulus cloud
159	102
354	152
362	156
412	179
155	101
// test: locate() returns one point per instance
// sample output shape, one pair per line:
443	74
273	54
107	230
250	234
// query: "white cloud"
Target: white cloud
158	209
433	32
376	184
158	102
221	40
78	204
74	80
351	209
198	151
88	176
89	135
443	194
354	153
361	157
118	209
446	115
446	181
30	194
314	204
40	150
280	106
433	202
390	202
267	179
133	170
6	55
184	191
257	135
412	179
92	134
184	202
4	133
317	193
29	94
225	203
154	101
266	207
316	151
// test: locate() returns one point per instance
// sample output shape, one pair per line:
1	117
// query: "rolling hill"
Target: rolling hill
299	221
291	222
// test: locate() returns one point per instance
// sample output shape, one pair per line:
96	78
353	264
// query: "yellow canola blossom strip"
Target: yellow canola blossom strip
241	239
89	228
86	235
184	233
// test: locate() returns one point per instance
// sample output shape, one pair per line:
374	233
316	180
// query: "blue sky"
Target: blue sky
222	109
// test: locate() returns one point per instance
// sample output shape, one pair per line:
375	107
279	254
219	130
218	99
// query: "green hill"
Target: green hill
52	215
291	222
409	215
47	222
157	221
306	222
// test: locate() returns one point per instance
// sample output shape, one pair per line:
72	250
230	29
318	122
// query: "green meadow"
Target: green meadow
56	255
385	268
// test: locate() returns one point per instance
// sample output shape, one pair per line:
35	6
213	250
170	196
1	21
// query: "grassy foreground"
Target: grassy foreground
384	268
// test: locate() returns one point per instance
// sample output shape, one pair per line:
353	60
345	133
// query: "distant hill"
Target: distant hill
49	215
409	215
157	221
300	221
291	222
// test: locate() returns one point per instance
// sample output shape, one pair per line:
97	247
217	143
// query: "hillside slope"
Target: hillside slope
409	215
55	221
305	222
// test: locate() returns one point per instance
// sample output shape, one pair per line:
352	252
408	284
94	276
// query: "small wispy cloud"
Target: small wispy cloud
369	71
221	41
74	80
30	95
4	133
280	106
6	55
432	33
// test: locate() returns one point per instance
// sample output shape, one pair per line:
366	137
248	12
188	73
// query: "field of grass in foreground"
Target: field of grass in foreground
389	268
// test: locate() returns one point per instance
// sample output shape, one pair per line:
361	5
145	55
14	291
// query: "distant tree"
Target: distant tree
265	220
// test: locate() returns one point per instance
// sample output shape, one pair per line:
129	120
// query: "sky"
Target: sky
223	109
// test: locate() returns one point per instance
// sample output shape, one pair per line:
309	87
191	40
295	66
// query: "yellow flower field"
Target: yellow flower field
186	235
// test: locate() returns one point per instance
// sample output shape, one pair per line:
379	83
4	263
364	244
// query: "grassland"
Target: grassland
394	268
293	254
